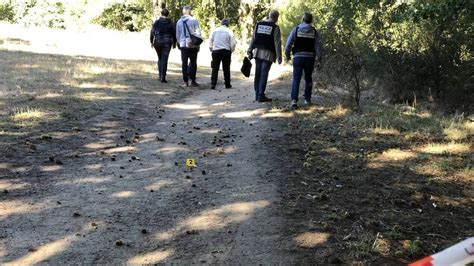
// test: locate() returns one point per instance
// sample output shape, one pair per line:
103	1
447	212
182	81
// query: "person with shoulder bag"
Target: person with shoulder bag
304	42
162	38
188	35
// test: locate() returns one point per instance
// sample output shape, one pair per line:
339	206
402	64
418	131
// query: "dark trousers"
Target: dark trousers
219	56
301	64
163	53
189	63
262	68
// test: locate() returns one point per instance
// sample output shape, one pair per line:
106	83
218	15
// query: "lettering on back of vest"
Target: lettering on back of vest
305	34
263	29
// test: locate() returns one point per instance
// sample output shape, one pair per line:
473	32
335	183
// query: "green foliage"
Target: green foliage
125	16
6	12
409	48
45	13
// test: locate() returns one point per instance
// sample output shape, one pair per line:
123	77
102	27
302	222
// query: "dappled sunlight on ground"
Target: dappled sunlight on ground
44	252
311	239
41	253
123	194
278	115
4	184
50	168
171	149
90	96
99	145
244	114
87	180
396	155
29	114
5	165
125	149
445	148
14	207
385	131
338	111
151	257
159	185
215	218
184	106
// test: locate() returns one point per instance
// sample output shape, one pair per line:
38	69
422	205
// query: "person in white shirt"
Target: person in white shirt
222	44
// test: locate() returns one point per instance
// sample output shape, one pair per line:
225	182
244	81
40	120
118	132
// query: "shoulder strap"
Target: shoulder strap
186	25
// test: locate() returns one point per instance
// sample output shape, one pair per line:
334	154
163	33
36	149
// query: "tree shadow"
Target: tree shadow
384	184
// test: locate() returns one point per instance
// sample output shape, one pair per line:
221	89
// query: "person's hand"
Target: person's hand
210	49
152	47
288	58
250	55
279	61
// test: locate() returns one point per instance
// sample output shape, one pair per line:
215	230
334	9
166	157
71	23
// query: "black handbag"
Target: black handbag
246	67
195	40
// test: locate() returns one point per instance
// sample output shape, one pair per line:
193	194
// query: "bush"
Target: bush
7	13
45	13
125	16
404	50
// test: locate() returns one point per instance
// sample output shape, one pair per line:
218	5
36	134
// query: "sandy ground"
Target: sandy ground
137	202
118	189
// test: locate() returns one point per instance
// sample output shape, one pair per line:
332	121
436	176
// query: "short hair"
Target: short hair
274	14
225	21
187	9
165	12
308	18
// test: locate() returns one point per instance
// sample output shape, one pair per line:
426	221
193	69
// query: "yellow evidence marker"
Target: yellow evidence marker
190	163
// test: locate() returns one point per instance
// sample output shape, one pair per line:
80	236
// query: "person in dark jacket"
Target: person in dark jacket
265	47
162	38
305	44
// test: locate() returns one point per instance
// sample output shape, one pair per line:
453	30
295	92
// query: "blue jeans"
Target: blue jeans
262	67
163	53
301	64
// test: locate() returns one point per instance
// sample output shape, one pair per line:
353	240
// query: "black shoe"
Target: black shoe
228	86
213	87
263	99
194	84
164	81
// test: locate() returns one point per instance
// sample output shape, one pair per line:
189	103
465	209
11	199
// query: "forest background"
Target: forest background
405	50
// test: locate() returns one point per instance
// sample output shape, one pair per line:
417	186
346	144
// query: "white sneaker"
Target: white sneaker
294	104
307	102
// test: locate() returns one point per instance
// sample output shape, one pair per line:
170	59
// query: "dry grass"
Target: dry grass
388	167
46	94
27	113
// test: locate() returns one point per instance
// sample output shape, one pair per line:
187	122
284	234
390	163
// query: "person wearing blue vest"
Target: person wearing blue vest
305	44
265	47
186	26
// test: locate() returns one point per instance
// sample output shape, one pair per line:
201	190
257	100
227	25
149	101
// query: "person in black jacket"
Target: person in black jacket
162	38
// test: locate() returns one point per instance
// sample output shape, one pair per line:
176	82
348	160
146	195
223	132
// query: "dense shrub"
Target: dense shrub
45	13
125	16
6	12
402	49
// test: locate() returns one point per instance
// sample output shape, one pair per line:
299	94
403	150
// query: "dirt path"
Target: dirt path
138	203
